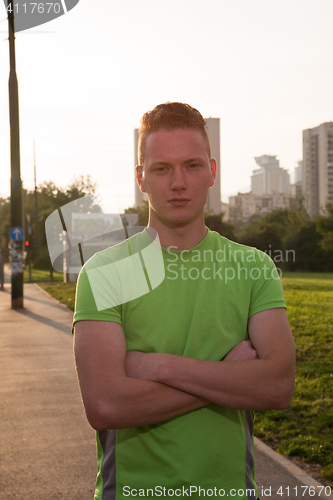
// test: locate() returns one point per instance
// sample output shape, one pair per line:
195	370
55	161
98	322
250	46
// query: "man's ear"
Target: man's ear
140	177
213	168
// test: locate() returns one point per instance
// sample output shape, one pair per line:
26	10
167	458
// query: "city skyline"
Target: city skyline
264	70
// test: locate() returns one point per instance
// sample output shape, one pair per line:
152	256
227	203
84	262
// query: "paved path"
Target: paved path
47	447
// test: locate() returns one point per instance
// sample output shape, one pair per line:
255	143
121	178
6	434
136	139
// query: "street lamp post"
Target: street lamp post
16	243
36	207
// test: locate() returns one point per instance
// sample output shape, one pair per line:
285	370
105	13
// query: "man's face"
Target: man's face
176	175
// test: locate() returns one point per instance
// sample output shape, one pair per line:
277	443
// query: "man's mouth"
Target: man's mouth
179	202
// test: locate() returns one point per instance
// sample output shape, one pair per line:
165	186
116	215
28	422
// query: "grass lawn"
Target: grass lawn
64	292
38	275
305	430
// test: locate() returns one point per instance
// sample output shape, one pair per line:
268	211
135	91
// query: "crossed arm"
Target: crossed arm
127	390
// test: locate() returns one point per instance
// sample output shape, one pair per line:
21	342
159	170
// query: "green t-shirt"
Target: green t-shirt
200	309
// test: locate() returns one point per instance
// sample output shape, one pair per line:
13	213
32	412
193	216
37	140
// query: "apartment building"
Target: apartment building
245	205
317	179
270	178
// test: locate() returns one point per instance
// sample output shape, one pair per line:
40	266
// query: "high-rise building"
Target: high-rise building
270	178
317	179
213	202
296	188
298	172
241	207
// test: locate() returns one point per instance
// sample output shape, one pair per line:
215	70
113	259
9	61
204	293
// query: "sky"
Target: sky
85	79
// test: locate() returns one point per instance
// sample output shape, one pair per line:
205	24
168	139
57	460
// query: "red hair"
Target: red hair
170	116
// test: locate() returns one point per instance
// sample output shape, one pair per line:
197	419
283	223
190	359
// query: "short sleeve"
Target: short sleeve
85	304
267	291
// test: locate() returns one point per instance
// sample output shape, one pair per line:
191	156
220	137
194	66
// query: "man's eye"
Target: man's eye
158	169
193	166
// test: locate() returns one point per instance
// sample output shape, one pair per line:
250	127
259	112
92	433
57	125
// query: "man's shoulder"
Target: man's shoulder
118	251
235	251
115	275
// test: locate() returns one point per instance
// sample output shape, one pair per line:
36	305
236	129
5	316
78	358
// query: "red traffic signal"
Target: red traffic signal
27	243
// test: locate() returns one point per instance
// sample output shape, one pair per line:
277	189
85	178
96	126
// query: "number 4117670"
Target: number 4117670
305	490
32	7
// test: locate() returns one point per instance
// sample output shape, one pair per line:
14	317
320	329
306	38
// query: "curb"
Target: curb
52	298
293	469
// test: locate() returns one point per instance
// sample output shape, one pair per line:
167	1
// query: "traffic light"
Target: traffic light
27	244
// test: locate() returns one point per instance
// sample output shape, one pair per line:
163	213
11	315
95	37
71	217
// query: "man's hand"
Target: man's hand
242	351
146	366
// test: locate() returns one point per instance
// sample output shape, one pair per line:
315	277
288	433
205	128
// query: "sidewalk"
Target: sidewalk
47	447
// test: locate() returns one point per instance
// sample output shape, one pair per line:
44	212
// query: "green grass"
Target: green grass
38	275
64	292
305	429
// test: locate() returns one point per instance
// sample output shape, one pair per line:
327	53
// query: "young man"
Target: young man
177	369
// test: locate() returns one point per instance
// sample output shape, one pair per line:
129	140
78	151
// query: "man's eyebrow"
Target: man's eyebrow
165	163
192	160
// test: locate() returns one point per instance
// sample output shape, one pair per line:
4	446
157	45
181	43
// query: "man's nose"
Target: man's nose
178	179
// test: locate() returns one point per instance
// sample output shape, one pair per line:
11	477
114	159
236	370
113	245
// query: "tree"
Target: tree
4	225
309	254
325	228
270	233
215	223
262	234
50	197
142	211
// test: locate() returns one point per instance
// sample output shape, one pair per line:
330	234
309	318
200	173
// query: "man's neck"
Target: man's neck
179	237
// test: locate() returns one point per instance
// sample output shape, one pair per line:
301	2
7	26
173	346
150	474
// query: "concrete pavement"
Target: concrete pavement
47	447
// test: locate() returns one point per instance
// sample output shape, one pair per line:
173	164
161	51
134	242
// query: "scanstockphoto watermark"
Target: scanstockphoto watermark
162	491
225	264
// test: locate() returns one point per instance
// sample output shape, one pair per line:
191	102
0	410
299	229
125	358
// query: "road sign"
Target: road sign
16	233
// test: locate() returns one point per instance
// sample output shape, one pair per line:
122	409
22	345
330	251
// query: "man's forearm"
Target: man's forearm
138	402
249	385
240	381
113	398
256	384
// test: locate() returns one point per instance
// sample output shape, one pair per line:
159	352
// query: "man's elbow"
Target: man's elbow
98	423
102	417
283	403
282	396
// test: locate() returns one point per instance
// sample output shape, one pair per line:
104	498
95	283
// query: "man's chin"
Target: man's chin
176	217
178	220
